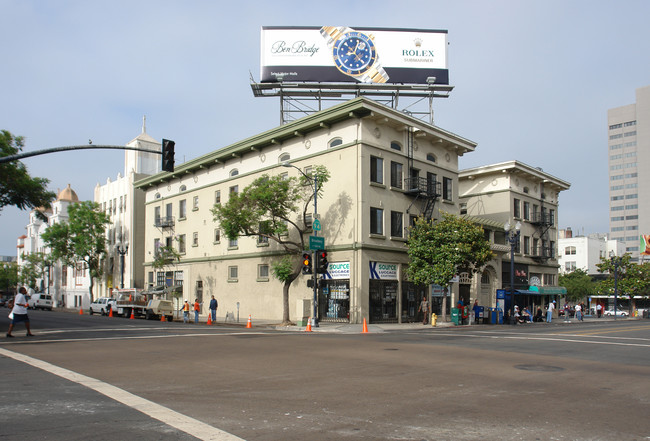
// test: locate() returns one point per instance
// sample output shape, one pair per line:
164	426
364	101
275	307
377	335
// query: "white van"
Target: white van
40	301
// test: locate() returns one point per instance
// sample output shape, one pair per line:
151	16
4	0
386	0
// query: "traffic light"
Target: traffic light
321	262
168	155
306	263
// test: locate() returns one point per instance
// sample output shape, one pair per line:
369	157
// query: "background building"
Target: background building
629	186
585	252
124	205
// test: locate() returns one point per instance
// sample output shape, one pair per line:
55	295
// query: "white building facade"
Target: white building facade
585	252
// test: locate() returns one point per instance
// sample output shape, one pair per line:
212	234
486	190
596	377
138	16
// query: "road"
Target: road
84	377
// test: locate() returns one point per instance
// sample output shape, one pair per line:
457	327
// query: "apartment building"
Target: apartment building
386	168
515	193
628	149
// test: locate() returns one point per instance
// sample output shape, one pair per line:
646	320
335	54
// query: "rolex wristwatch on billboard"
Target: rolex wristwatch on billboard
354	54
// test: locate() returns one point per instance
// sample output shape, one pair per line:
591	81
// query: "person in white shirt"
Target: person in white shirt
549	312
19	312
579	312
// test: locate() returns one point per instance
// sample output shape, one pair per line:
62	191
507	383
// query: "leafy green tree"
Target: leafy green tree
32	269
440	250
578	284
81	239
165	256
267	208
17	187
8	276
631	279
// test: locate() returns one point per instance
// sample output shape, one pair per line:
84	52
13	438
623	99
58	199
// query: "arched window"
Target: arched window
284	158
183	188
234	172
157	196
395	146
430	157
335	142
485	277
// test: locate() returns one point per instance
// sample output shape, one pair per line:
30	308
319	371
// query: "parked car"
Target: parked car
102	305
619	312
40	301
572	312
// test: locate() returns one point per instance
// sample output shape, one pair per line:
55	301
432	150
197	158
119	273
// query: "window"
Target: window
156	246
156	215
181	244
396	224
526	210
217	235
569	250
335	142
284	176
233	243
233	172
195	203
233	190
551	216
263	272
285	157
183	188
463	208
217	197
516	209
233	273
376	170
431	157
569	266
376	221
526	244
195	239
396	174
182	209
447	189
395	146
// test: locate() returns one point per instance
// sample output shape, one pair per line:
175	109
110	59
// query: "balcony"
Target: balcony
541	219
164	222
543	253
417	186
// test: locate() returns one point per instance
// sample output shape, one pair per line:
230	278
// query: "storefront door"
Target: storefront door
383	301
334	301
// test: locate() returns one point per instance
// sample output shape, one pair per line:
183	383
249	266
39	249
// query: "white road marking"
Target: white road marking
170	417
532	337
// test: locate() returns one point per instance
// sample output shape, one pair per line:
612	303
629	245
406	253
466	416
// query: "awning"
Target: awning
527	292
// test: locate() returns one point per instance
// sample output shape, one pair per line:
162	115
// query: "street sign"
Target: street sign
316	225
316	242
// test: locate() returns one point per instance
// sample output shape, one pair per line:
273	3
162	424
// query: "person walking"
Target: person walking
549	311
186	312
579	312
477	311
197	308
567	313
213	308
599	309
424	307
19	313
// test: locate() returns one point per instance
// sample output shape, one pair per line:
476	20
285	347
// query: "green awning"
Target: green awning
557	290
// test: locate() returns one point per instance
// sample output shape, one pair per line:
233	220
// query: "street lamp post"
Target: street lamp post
513	239
616	261
122	249
314	180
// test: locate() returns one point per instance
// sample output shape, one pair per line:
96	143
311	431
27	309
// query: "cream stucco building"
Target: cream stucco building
386	168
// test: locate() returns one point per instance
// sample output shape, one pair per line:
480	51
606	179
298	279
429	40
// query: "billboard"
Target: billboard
344	54
645	245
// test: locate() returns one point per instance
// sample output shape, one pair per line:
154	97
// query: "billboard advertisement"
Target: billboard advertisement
645	245
345	54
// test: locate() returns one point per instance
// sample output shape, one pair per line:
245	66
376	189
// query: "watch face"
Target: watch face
354	54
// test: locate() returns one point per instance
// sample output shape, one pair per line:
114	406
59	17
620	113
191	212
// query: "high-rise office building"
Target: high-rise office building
629	186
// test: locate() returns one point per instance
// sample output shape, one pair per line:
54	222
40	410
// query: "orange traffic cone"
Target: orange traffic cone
110	312
209	319
308	328
249	324
365	326
81	311
132	315
162	318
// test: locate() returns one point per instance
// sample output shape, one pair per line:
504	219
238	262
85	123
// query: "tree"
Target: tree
81	239
578	284
17	187
267	208
440	250
8	276
33	269
631	279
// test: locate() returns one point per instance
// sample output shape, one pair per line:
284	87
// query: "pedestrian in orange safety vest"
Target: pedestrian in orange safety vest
186	312
197	308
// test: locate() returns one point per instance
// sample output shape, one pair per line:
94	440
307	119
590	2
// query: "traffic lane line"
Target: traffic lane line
170	417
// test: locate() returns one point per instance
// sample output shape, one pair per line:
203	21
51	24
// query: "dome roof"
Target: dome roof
67	194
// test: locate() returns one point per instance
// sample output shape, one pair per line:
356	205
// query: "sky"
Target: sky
533	81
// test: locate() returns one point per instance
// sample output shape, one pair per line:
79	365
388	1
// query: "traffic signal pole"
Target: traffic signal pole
314	322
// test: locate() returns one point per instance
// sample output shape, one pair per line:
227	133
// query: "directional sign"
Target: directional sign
316	243
316	225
